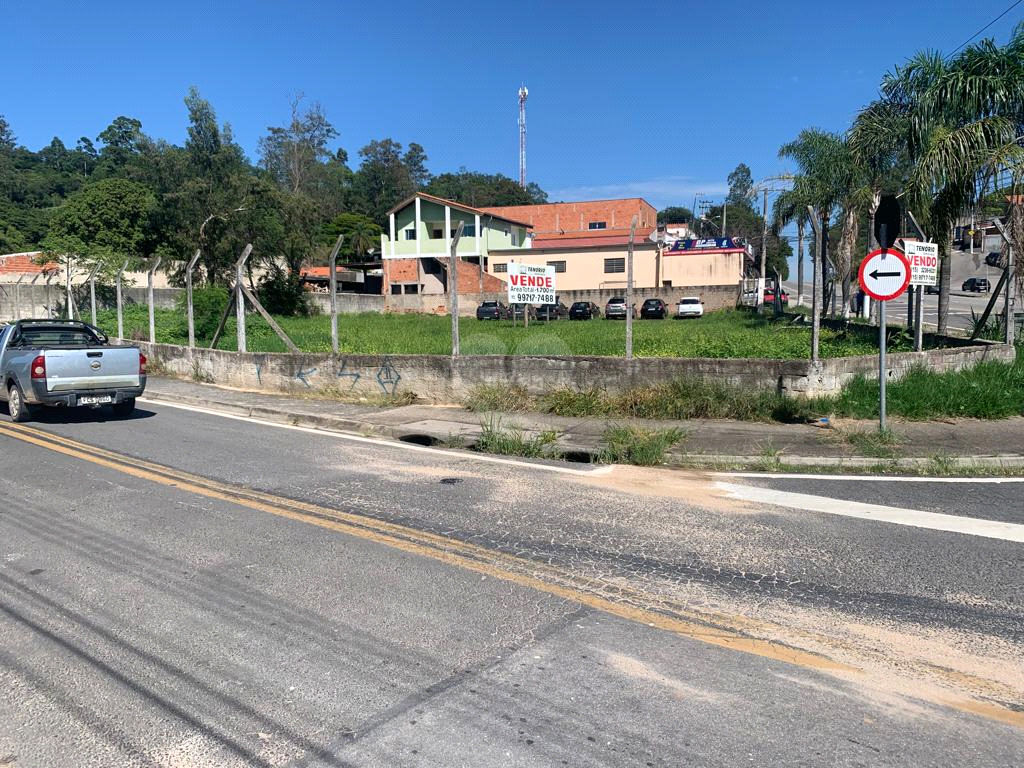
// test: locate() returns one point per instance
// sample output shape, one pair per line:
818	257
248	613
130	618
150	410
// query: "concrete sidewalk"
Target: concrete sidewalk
962	443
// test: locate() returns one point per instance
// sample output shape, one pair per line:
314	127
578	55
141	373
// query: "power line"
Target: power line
997	18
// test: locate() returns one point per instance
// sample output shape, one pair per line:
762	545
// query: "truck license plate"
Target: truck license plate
94	399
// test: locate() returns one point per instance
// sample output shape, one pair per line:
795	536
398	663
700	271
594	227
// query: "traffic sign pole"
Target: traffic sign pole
881	338
881	366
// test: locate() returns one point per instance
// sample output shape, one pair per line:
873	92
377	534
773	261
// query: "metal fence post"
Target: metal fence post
188	298
92	290
629	291
334	293
49	312
240	297
454	278
17	297
149	298
120	314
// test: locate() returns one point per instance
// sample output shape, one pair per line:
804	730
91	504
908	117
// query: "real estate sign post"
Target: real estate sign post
530	284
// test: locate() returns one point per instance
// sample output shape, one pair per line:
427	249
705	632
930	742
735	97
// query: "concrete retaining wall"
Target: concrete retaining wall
22	301
441	379
348	303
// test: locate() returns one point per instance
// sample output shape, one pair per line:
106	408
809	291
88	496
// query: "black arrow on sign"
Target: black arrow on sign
876	274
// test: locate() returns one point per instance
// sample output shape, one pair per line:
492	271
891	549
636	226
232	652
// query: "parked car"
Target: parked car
67	363
584	310
615	309
654	309
492	310
994	259
769	296
976	284
516	311
932	289
552	311
690	306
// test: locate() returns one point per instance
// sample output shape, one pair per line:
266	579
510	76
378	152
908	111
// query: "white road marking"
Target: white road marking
971	526
873	478
378	441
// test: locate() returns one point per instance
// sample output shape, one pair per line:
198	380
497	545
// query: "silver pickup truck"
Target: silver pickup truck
67	363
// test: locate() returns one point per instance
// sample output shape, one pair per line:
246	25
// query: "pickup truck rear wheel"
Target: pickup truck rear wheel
124	408
16	405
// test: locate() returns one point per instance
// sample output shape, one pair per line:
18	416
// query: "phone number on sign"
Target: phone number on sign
531	297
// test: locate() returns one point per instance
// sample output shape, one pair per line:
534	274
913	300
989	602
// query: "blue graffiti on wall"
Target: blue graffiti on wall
342	373
388	377
301	376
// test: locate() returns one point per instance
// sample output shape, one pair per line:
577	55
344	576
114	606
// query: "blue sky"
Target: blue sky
658	100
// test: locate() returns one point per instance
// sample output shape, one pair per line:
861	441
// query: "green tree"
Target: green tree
360	235
103	224
293	154
741	186
675	214
218	188
835	183
383	179
120	142
480	190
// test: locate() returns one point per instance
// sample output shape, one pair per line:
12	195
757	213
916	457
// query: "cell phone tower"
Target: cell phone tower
523	93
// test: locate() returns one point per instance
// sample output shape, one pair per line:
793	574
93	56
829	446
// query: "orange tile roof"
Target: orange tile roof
26	263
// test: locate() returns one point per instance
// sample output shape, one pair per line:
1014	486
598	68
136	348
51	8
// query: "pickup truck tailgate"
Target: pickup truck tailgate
91	368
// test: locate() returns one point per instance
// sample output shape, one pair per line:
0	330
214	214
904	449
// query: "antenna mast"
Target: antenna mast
523	93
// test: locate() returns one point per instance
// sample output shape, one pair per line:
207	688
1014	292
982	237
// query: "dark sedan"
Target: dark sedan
584	310
654	309
552	311
492	310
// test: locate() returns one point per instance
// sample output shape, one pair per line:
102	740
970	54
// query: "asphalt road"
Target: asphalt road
185	589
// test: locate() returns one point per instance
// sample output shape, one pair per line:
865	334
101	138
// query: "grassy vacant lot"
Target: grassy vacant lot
726	334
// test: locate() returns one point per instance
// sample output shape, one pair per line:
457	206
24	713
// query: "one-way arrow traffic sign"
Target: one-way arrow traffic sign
884	274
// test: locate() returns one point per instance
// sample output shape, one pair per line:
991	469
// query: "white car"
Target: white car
690	306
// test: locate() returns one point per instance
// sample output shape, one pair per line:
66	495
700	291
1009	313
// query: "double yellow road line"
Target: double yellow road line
631	604
627	603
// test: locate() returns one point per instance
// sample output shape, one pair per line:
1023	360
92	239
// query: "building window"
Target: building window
515	237
436	233
396	289
558	265
410	234
412	288
615	265
468	230
597	225
500	268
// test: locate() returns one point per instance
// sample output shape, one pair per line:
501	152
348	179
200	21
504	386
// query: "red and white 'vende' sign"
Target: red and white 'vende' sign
924	262
531	284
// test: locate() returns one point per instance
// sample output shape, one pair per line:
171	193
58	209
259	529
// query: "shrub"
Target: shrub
208	305
281	293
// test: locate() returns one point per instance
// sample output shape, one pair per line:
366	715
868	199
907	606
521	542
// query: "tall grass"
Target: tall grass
988	391
725	334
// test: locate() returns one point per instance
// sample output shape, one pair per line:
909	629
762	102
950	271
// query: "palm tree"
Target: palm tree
830	180
789	208
955	123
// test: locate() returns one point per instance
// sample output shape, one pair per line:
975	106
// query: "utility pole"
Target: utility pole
629	291
764	240
820	245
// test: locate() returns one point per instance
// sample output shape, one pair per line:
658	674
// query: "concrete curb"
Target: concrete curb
587	450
